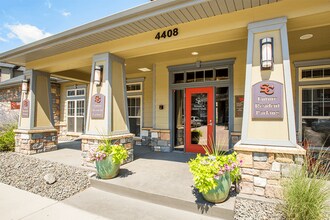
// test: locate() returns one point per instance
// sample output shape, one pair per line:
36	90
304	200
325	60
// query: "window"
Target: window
134	87
76	92
76	116
135	114
314	105
315	74
76	106
205	75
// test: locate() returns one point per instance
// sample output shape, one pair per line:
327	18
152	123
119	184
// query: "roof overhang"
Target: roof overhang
148	17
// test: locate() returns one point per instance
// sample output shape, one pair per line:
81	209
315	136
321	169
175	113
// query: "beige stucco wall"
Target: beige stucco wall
42	108
119	122
147	96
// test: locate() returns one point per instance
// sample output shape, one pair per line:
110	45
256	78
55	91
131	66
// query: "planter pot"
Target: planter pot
106	169
221	191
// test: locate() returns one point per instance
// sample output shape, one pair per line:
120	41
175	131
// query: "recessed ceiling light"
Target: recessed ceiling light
144	69
306	36
194	53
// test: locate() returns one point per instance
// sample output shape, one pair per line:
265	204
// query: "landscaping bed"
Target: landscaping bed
252	209
45	178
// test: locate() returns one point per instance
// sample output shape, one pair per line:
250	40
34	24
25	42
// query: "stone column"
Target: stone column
36	132
107	114
268	144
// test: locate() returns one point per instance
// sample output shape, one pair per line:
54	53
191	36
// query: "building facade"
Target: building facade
248	75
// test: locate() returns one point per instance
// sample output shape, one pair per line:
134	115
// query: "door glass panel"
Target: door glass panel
71	124
198	118
134	124
80	124
222	117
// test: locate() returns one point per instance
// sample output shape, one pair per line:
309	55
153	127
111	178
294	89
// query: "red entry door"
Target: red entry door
199	120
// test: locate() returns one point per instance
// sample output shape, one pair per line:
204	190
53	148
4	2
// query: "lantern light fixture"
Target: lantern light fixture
98	72
25	85
266	53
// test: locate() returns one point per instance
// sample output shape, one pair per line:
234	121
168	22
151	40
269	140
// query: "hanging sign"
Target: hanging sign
98	106
267	100
25	108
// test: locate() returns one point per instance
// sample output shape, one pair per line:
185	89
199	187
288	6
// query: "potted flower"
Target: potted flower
108	159
214	173
195	135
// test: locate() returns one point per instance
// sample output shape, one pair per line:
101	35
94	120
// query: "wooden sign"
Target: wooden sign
239	104
267	100
98	106
25	108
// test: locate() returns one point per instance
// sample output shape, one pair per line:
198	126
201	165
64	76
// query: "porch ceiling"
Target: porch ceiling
145	18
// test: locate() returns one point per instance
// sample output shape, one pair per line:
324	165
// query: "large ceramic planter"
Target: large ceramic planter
221	191
106	169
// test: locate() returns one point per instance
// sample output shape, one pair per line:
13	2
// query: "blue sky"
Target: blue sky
25	21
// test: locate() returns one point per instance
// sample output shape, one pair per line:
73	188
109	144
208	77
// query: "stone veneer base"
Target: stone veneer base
158	140
35	141
90	141
264	167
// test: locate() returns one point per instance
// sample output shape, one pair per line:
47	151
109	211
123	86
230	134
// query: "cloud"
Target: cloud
48	4
26	33
3	39
65	13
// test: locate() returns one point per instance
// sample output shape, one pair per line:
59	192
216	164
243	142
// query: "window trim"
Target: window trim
75	92
134	83
141	111
300	79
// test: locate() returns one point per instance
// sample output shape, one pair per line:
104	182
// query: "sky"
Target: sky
25	21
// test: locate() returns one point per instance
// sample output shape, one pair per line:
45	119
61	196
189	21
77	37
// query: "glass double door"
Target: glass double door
199	119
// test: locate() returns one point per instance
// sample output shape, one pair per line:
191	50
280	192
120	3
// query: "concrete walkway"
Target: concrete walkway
156	180
68	153
88	205
17	204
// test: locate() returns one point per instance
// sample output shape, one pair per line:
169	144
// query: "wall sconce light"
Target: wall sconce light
266	53
98	71
25	85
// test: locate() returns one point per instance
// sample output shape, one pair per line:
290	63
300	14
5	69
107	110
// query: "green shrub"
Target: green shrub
7	139
207	169
305	193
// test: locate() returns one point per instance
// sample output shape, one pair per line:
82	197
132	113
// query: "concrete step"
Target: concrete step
199	206
95	204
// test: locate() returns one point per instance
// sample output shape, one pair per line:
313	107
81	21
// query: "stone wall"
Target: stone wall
90	141
158	140
262	172
35	141
9	98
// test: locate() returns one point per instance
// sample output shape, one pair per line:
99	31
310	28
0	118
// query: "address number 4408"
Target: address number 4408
168	33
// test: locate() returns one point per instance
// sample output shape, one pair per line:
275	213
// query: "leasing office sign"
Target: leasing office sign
267	100
98	106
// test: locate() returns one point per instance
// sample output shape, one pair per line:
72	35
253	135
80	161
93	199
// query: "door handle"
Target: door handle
210	123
